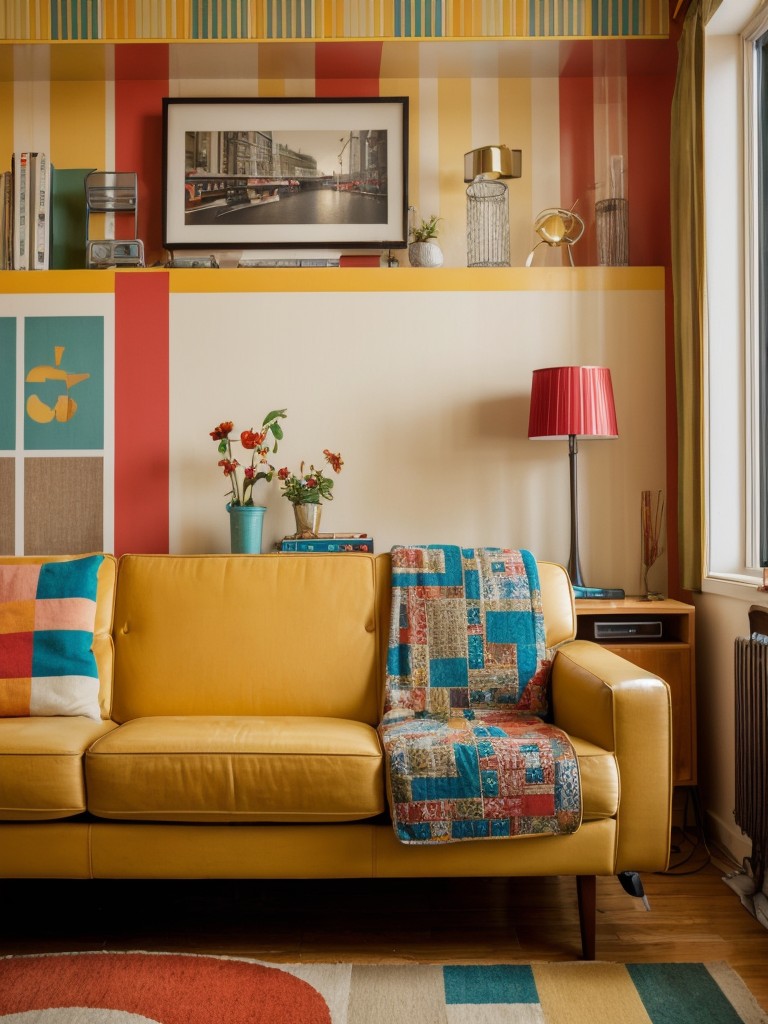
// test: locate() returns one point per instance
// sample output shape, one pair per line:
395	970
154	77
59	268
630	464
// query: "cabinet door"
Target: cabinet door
673	663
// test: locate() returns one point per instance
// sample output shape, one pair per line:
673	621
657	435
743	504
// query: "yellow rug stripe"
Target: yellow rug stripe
567	993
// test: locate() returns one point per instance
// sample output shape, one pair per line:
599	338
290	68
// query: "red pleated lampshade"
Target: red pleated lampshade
572	400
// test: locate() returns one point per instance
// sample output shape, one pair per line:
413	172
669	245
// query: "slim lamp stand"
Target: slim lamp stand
574	566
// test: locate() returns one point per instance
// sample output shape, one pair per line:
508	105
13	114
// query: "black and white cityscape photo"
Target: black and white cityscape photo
285	177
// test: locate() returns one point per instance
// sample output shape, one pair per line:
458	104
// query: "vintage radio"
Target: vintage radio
107	252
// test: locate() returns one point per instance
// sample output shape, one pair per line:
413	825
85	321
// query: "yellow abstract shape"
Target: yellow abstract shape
41	374
65	407
39	411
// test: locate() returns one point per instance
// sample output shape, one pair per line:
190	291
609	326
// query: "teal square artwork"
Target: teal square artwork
63	383
7	383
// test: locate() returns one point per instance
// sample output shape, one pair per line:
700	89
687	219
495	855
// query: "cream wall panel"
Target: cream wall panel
425	176
426	396
31	99
545	157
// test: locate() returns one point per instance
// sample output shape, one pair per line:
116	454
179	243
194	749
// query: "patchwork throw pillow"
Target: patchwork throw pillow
47	616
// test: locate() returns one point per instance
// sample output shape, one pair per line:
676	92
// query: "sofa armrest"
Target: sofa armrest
601	697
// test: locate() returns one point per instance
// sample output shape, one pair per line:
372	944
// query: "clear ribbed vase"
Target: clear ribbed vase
487	224
307	519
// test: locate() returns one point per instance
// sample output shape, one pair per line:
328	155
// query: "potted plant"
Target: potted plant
424	250
306	490
245	516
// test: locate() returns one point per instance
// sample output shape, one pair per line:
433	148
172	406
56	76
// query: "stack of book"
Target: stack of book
340	542
25	243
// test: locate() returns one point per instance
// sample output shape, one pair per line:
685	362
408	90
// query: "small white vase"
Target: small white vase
425	254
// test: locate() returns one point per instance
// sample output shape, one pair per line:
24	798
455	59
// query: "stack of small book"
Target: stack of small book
26	213
340	542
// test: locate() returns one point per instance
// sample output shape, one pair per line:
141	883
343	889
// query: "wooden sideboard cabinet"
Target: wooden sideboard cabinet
621	626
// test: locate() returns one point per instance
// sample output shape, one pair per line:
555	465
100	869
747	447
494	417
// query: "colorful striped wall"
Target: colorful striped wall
107	114
122	20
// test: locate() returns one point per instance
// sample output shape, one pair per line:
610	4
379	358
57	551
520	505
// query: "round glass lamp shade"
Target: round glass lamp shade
572	401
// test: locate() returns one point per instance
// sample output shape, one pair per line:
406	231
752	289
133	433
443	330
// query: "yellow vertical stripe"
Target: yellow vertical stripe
516	131
78	111
408	87
454	97
6	107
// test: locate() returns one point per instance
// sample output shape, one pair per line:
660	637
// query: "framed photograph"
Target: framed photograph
276	173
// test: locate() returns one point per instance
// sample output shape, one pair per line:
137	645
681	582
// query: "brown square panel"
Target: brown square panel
7	506
63	505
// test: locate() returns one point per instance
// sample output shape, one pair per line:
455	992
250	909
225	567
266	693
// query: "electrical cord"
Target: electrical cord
691	797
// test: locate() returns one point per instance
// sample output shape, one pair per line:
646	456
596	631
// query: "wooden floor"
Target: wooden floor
693	917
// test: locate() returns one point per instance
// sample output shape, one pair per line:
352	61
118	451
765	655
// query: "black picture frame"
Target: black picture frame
278	173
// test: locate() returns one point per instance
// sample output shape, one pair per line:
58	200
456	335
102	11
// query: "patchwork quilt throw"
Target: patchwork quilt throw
469	753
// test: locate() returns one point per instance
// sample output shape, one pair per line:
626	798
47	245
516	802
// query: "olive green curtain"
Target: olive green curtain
688	282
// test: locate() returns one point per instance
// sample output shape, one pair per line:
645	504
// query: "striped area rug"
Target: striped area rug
170	988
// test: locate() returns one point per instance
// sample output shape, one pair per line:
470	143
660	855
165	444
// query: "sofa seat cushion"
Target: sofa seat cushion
42	774
237	769
599	774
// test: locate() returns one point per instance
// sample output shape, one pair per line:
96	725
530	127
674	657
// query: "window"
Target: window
736	169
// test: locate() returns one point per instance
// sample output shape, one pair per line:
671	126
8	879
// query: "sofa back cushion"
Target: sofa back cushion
276	634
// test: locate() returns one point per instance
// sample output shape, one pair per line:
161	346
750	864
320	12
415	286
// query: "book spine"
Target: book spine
6	248
20	188
328	545
42	218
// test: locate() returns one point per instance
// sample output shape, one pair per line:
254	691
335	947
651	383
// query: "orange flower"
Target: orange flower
253	441
248	439
335	460
223	430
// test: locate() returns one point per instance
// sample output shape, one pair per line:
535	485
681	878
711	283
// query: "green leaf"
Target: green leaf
277	431
281	413
223	446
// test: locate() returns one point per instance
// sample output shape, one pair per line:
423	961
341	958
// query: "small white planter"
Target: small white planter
425	254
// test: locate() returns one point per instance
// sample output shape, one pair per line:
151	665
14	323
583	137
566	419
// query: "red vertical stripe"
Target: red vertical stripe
141	82
347	69
577	160
649	105
141	412
141	310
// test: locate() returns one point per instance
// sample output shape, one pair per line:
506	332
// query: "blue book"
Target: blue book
340	544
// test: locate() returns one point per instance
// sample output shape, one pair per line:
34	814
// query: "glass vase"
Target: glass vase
307	519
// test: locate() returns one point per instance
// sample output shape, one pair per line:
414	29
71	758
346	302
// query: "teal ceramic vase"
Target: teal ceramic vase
245	523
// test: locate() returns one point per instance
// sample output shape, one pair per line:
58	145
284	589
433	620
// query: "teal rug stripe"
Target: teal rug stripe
489	983
681	994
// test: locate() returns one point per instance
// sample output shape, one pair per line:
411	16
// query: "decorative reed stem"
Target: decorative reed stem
651	523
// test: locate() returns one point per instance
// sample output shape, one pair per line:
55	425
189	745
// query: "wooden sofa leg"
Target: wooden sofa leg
586	888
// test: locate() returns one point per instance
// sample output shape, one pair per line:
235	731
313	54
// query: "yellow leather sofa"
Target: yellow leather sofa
240	697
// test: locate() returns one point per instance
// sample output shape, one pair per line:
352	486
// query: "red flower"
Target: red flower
248	439
311	481
229	466
223	431
335	460
249	472
284	473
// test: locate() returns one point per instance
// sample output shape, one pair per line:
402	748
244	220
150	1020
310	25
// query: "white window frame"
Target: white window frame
732	379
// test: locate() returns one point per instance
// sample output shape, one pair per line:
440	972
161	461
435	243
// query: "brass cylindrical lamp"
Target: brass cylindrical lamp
487	203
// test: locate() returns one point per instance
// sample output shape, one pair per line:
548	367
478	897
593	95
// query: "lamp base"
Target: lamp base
599	593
